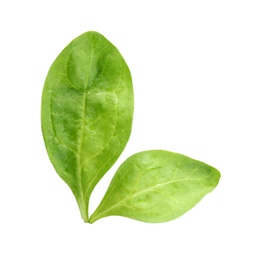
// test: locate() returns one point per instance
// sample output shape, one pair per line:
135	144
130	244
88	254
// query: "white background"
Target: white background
192	64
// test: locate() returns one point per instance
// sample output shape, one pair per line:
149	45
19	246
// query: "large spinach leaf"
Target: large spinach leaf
157	186
87	109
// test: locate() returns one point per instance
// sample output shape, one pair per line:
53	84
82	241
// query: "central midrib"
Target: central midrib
79	173
144	191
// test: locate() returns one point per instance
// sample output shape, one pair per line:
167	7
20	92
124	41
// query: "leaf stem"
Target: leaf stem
93	218
83	207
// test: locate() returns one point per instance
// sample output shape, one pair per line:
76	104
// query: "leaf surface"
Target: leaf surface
87	110
156	186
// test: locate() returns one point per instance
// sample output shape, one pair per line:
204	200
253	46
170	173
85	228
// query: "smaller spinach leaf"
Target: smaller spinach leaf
156	186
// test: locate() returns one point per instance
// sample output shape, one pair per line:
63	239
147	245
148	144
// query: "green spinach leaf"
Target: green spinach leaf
156	186
87	110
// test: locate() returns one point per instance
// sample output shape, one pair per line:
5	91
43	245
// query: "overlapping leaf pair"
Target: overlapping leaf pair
87	110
